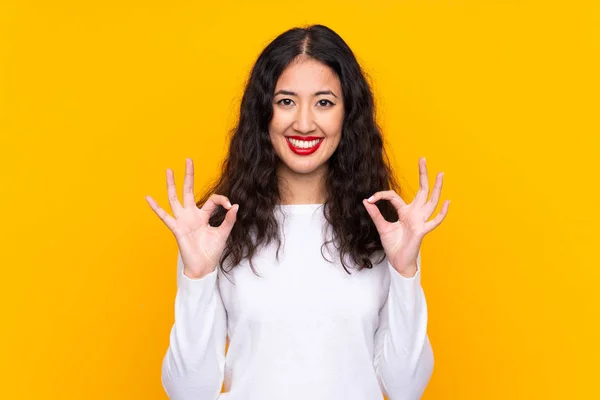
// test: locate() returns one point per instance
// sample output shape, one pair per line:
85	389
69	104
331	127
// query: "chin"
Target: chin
302	168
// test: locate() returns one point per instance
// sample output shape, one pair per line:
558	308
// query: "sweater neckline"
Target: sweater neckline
299	208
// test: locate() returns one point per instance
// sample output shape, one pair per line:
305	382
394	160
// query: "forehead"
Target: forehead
307	76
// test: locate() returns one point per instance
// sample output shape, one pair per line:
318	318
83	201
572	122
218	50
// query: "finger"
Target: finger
188	184
423	192
430	225
435	195
172	193
390	195
162	214
229	221
375	215
214	201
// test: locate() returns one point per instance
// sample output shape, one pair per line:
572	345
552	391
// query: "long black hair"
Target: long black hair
358	168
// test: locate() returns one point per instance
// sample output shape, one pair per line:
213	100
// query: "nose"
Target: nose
304	122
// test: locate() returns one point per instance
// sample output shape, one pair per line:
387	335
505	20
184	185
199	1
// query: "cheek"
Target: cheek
278	122
273	126
332	125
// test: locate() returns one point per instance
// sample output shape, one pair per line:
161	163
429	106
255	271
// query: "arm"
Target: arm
403	358
194	363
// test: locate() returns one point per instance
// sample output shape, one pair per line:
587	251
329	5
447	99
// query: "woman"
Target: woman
305	155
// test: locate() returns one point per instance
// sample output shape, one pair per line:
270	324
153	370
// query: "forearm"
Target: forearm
193	365
403	354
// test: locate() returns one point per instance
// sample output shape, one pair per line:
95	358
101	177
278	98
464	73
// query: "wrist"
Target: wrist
409	272
195	274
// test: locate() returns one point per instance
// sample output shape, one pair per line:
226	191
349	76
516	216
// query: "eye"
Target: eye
285	102
325	103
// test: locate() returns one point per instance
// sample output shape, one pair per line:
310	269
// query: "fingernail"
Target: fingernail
370	199
229	204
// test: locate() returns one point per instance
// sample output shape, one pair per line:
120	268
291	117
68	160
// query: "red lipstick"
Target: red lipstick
308	138
304	152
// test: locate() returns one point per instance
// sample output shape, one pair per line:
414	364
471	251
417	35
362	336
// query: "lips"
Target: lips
304	152
305	138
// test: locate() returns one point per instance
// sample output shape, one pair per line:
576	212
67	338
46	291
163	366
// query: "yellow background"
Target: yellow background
97	99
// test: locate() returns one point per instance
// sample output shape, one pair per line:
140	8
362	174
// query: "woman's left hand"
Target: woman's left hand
401	240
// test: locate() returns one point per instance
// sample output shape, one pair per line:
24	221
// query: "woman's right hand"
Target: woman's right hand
200	244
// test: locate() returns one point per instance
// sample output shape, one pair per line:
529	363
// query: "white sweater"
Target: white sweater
304	330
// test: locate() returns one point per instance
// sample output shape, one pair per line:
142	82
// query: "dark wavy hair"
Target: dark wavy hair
358	168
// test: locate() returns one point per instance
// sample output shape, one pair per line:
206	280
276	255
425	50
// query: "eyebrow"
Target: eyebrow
287	92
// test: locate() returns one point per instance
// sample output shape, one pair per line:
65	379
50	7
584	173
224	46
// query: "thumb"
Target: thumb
375	214
229	221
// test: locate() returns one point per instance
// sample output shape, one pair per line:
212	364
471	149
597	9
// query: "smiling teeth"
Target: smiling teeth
302	144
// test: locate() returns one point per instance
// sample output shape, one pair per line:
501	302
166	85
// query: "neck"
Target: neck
297	188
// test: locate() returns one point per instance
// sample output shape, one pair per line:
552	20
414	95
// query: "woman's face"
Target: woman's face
308	106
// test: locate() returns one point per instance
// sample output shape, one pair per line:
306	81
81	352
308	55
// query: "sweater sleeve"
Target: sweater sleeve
193	365
403	357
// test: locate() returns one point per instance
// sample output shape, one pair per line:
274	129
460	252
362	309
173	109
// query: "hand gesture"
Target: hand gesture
402	239
200	244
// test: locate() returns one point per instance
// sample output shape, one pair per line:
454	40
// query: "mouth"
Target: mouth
304	145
